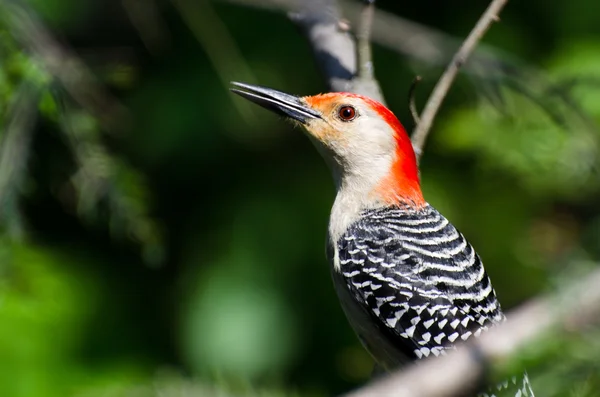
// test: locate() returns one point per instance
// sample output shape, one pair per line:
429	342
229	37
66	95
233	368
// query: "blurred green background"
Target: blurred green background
178	248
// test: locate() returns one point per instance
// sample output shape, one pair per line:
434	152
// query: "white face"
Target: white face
354	139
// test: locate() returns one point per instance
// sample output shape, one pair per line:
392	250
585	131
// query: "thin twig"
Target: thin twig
406	37
412	106
445	82
364	82
333	47
363	36
572	310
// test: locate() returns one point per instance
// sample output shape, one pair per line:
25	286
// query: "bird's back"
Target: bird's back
417	278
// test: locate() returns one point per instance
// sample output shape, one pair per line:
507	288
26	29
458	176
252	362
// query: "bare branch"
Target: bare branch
332	45
406	37
363	35
391	31
63	64
571	310
364	82
487	65
335	51
445	82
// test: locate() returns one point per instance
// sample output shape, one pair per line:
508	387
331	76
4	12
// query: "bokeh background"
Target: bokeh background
161	237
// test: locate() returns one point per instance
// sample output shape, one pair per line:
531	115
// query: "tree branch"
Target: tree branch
573	309
406	37
363	36
332	46
445	82
334	49
364	82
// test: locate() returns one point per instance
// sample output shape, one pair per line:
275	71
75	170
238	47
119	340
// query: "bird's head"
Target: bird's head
363	142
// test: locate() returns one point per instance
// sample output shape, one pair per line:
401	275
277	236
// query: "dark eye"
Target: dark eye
347	113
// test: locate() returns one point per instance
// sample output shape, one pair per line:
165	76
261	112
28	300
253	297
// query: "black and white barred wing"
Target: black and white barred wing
418	277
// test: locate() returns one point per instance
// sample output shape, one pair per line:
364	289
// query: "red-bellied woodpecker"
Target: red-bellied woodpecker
409	282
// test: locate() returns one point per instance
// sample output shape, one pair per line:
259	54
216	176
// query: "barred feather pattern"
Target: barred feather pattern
421	282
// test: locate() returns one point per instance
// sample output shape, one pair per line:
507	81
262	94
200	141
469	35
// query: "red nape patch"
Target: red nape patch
402	183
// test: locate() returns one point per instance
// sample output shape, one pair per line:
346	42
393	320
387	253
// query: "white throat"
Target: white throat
355	192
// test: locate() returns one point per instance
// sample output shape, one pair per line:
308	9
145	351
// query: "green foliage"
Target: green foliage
524	139
46	299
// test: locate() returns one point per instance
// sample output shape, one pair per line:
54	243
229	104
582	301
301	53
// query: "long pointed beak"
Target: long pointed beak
276	101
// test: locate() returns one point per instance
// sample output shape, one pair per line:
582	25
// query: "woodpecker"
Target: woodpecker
408	281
